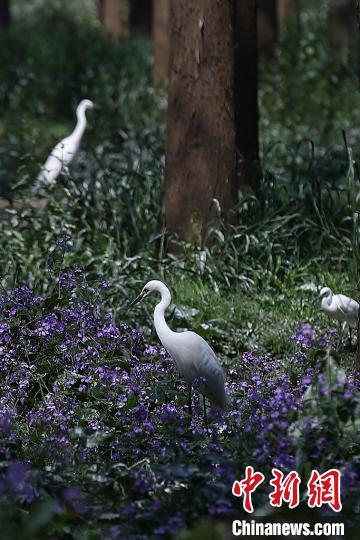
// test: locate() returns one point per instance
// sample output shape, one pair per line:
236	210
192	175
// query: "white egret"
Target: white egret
194	358
64	152
340	307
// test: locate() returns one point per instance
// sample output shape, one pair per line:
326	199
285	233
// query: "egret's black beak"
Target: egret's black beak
136	300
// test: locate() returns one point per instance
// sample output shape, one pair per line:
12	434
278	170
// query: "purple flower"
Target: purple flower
170	527
221	507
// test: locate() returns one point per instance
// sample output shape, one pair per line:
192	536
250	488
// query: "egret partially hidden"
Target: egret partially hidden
194	358
340	307
64	152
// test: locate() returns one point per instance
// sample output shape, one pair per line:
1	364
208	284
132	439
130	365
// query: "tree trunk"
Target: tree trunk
287	9
267	26
161	39
111	15
357	359
140	17
212	110
4	13
246	95
343	25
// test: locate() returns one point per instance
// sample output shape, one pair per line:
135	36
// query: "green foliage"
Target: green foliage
83	11
40	90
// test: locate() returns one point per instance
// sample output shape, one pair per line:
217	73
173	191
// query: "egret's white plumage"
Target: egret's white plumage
339	307
193	356
64	152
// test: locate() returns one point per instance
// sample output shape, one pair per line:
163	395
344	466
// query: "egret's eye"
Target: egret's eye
145	293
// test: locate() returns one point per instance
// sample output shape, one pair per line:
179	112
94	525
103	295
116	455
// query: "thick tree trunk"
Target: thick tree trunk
4	13
200	156
111	15
140	17
161	39
206	153
267	26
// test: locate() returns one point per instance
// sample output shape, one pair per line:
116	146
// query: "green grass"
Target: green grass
237	320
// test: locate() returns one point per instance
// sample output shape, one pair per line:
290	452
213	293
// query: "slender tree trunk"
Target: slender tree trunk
343	25
161	39
287	9
246	95
212	110
4	13
357	359
111	15
140	16
267	26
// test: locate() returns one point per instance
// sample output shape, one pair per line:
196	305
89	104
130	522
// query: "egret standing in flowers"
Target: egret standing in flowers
340	307
194	358
64	152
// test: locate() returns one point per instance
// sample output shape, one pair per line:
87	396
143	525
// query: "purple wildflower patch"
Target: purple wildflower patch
94	418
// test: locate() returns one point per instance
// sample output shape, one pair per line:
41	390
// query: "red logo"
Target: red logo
285	489
247	486
321	488
325	489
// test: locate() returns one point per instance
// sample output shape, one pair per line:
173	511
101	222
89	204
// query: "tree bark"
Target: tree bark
4	13
287	9
246	95
343	25
161	39
212	110
111	15
267	26
357	359
140	16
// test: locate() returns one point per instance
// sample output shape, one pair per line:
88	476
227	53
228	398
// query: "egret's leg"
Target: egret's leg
205	414
339	335
350	335
189	403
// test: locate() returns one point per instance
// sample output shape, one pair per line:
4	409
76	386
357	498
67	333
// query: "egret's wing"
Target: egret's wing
60	157
51	169
207	366
347	305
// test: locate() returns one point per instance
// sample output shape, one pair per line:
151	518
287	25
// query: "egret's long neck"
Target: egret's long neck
81	123
162	329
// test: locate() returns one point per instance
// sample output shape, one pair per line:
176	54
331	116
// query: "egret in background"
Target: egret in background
194	358
64	152
340	307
